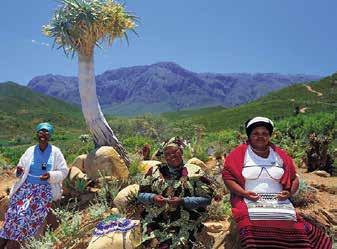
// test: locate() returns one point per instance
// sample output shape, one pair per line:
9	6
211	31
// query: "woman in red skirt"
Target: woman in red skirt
261	178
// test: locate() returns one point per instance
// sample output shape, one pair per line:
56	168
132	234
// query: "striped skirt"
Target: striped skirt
310	237
27	211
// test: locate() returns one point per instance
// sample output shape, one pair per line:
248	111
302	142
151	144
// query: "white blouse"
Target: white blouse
262	175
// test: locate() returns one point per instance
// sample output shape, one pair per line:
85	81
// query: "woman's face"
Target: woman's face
43	136
173	156
260	137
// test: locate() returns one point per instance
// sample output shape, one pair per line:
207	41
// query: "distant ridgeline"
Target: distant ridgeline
167	87
21	109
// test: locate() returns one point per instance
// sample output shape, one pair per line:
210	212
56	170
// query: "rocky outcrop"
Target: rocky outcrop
161	87
105	161
123	197
197	162
79	162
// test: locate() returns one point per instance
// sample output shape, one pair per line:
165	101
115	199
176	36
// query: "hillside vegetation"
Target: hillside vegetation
21	109
277	105
218	128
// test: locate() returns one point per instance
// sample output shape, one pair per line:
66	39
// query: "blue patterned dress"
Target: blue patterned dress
30	205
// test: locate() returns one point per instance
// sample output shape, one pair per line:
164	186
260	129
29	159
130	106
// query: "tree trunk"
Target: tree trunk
98	126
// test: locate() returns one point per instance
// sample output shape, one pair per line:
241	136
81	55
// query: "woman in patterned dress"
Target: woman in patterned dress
40	172
175	196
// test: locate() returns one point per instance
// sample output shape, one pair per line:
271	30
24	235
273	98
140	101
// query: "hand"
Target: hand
45	177
251	196
175	201
159	200
19	171
283	195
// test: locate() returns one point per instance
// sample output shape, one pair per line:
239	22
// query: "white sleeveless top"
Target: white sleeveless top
262	175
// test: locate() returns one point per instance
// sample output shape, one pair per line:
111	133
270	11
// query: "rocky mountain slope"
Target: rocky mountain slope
166	86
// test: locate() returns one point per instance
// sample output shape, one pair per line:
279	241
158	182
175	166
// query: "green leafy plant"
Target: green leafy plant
305	196
47	241
98	209
220	210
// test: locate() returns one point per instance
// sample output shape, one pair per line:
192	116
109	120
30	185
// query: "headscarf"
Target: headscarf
251	124
47	126
174	142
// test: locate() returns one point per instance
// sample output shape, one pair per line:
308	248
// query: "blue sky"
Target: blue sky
224	36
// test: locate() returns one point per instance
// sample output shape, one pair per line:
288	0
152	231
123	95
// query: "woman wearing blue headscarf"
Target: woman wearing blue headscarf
40	172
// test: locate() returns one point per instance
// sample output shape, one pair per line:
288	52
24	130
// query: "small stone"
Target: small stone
214	227
322	173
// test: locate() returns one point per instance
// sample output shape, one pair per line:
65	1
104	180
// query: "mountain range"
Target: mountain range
166	86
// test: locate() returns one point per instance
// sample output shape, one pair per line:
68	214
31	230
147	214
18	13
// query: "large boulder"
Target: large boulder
144	166
123	197
69	184
197	162
213	234
107	161
79	162
76	173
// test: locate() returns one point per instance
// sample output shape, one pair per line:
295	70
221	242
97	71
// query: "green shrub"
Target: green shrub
306	195
135	143
220	210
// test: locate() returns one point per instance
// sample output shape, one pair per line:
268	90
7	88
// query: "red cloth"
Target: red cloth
233	171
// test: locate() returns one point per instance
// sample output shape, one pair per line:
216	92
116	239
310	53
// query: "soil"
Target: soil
326	201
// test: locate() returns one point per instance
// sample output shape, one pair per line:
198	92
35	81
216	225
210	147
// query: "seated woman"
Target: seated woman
40	172
175	197
261	178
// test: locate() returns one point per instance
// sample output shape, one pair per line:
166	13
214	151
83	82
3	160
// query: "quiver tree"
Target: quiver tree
77	27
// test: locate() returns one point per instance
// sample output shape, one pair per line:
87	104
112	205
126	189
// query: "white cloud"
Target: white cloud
45	44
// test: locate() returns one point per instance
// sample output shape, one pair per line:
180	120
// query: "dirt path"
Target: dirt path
302	110
313	91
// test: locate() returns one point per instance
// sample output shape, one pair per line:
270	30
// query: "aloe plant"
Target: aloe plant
77	27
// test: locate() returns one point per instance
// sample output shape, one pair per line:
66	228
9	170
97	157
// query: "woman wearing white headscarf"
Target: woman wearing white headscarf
261	177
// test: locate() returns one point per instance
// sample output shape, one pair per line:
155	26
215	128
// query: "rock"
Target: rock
69	185
147	164
121	200
76	173
321	173
114	211
79	162
4	202
214	227
106	161
197	162
215	235
117	240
